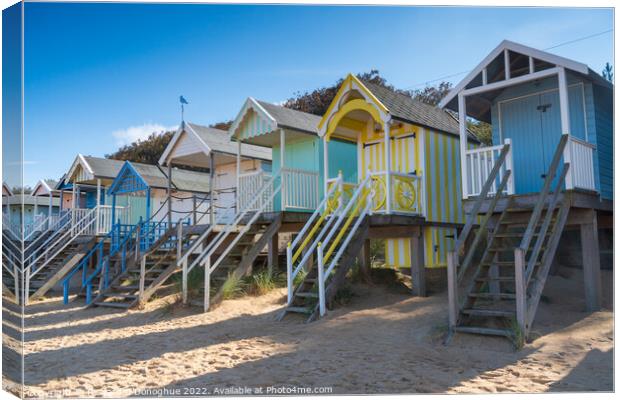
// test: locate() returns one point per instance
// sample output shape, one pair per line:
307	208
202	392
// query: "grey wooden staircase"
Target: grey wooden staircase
238	261
60	264
497	271
149	271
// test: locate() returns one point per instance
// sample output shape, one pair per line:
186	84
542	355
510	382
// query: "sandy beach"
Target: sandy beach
380	342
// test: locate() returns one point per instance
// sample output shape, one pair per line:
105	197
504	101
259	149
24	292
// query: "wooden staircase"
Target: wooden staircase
306	295
55	269
145	274
336	231
497	293
238	261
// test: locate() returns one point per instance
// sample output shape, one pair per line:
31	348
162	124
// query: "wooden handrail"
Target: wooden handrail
483	224
545	226
540	203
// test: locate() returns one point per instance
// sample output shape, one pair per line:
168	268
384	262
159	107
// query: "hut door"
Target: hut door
521	122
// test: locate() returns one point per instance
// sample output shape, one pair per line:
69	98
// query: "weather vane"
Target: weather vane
183	102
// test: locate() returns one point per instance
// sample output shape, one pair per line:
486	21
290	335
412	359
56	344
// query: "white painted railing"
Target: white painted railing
300	189
408	193
479	163
250	185
104	223
239	225
580	155
82	222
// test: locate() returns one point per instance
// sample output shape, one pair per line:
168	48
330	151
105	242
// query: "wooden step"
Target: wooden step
122	295
112	304
496	279
307	295
299	310
488	312
484	331
506	296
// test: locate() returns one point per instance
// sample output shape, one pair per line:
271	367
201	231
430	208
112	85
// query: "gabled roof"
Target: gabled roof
292	119
273	116
154	177
44	187
96	167
547	57
6	190
386	104
209	140
407	109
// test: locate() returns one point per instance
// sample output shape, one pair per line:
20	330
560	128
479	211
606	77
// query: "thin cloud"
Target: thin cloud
139	132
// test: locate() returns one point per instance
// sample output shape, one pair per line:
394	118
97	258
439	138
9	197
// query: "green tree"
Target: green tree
433	94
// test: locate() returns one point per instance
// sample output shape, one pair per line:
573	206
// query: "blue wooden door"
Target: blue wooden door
521	123
534	125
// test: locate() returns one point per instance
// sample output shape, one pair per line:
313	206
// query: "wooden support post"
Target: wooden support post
142	277
463	144
591	262
388	165
194	208
211	185
184	282
565	122
238	173
365	261
418	272
98	216
452	259
521	291
169	194
325	164
494	286
272	254
284	189
207	285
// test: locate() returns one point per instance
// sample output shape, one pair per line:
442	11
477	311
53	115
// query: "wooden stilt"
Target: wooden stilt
591	262
365	261
418	274
272	254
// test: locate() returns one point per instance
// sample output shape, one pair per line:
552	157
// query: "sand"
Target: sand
380	342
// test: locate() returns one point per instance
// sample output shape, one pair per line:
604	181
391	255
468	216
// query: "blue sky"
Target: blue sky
95	71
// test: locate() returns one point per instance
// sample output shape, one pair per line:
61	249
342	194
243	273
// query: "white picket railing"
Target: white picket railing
252	210
104	223
82	222
580	155
249	185
479	163
300	189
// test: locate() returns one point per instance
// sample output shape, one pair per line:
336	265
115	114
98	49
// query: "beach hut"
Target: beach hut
297	154
210	149
407	191
549	168
139	252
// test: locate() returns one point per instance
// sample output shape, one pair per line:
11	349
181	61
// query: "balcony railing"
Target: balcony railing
300	189
407	193
249	185
479	163
580	155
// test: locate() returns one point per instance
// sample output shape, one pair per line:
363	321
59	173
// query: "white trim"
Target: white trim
518	48
173	142
251	103
511	82
81	161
